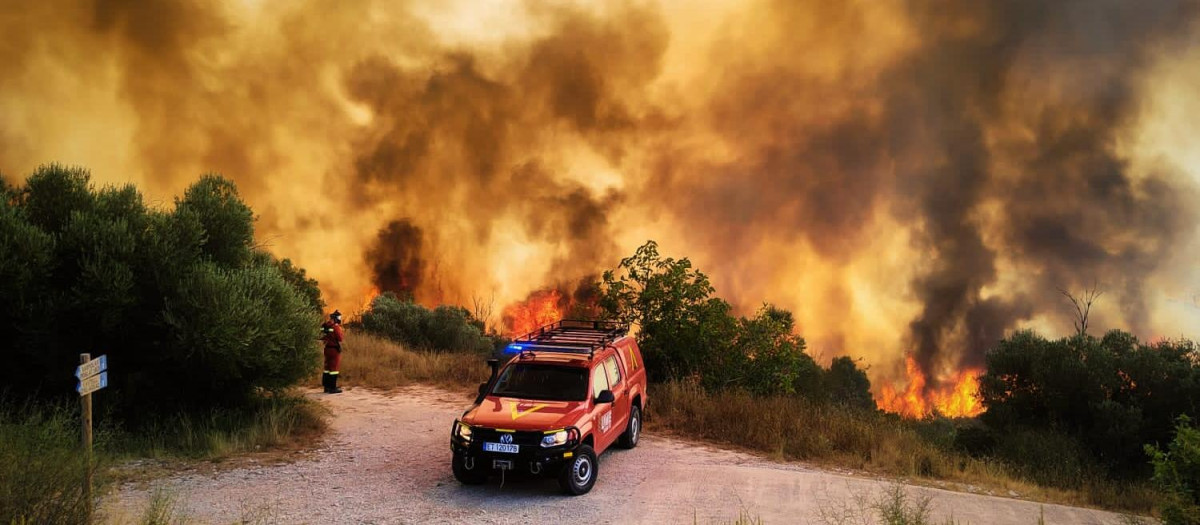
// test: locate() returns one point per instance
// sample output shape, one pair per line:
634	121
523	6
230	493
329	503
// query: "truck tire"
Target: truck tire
579	475
633	430
475	476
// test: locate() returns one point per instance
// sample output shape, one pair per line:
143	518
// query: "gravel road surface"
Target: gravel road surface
386	460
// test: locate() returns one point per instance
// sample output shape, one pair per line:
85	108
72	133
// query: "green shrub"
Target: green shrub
775	362
188	311
443	328
847	384
1177	473
1112	393
41	469
1048	458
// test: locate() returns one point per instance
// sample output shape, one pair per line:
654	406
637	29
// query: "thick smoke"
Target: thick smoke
994	134
909	178
396	262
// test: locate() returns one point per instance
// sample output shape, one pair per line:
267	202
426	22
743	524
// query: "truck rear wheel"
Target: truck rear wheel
475	476
579	475
633	431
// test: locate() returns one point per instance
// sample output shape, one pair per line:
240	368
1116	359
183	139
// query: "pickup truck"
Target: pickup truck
567	393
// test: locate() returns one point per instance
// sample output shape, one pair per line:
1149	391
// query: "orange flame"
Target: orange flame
541	308
369	296
959	400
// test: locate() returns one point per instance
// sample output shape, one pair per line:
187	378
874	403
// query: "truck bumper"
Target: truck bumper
531	456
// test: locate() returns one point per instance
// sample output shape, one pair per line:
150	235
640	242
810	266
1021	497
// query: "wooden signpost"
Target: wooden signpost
92	375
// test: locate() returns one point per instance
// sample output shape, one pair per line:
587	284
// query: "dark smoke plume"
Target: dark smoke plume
395	259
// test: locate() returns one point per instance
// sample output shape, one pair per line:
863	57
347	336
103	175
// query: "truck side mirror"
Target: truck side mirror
606	396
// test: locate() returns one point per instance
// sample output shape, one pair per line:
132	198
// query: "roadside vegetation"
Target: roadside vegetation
41	468
893	506
441	329
205	333
378	362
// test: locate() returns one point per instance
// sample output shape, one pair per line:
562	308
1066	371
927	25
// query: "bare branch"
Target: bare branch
1083	306
483	308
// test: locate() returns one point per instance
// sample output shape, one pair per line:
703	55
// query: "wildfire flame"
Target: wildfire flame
370	295
961	399
541	308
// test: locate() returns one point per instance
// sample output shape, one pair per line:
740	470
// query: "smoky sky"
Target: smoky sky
988	135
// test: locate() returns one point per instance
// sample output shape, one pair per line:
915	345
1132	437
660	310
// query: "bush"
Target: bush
848	385
443	328
187	310
41	468
775	362
1177	473
1112	393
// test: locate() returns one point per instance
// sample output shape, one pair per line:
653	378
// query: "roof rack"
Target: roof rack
569	336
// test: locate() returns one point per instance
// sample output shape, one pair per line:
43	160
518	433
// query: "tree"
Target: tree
227	221
189	313
775	362
682	328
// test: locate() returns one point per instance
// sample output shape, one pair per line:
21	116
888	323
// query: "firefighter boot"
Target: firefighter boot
326	379
333	388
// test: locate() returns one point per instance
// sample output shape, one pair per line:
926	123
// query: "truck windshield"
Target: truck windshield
548	382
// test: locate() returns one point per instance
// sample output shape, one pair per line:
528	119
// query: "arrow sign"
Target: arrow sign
92	367
91	384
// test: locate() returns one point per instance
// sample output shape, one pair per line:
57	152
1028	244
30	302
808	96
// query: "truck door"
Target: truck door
602	413
620	389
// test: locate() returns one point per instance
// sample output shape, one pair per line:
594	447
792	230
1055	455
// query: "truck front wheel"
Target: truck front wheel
475	476
579	475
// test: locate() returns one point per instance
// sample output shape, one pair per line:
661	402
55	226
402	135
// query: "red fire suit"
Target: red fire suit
333	347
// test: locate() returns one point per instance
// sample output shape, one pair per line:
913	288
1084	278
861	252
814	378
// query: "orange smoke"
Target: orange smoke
961	399
541	308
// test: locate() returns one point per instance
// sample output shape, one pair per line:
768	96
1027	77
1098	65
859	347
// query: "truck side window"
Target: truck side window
599	381
614	371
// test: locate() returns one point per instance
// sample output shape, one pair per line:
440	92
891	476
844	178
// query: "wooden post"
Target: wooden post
86	400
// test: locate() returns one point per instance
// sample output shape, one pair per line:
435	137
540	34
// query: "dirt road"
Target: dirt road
386	460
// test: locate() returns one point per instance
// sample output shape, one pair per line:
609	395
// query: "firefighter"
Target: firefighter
331	333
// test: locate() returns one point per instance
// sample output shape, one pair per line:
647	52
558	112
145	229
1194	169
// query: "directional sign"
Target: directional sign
88	385
92	367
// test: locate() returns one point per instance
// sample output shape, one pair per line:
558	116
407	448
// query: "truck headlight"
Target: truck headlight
462	430
555	439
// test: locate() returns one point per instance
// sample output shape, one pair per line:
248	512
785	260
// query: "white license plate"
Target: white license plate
501	447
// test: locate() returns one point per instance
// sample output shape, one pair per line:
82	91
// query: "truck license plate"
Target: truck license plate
501	447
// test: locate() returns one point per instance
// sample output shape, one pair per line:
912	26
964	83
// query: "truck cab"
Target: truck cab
564	394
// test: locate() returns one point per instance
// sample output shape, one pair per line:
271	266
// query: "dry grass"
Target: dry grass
789	428
376	362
